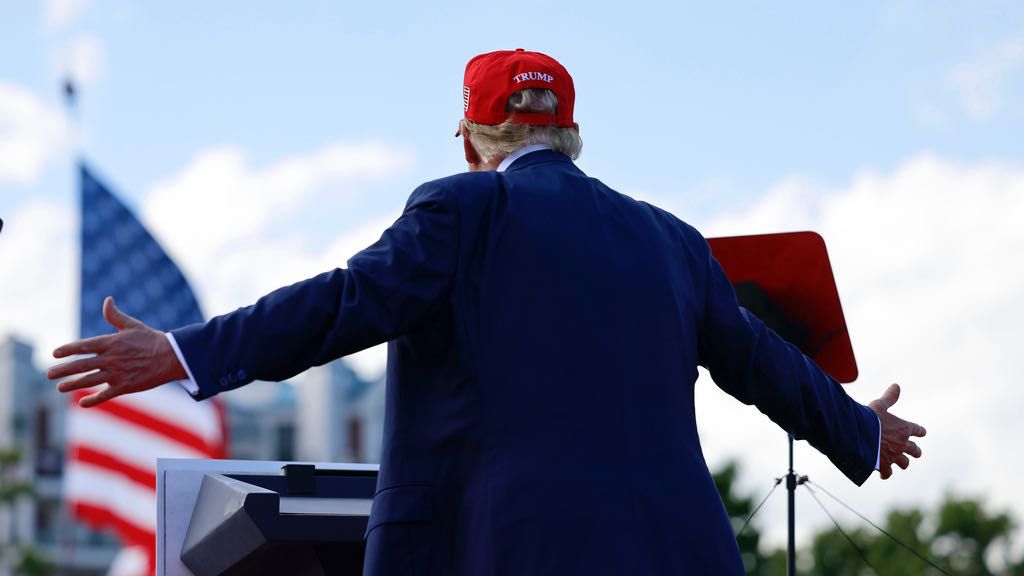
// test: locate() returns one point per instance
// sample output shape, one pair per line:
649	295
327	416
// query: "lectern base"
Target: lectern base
302	560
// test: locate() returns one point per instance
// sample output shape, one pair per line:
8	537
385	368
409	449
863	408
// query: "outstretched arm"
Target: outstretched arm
756	366
133	359
385	291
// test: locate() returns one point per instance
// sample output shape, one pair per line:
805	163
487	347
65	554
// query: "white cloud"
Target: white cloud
981	84
60	14
927	260
81	58
227	222
37	268
31	134
225	204
261	265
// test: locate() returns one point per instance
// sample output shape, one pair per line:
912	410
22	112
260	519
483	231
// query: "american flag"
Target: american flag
110	480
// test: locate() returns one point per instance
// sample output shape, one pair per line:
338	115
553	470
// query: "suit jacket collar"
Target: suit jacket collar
538	157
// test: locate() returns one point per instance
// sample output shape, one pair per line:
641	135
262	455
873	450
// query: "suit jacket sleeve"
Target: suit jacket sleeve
386	289
756	366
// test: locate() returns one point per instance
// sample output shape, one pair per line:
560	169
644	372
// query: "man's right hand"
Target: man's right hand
896	444
134	359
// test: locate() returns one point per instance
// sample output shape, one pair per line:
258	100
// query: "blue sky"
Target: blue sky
263	142
720	99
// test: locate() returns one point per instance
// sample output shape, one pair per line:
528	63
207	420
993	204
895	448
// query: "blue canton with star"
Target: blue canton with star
120	258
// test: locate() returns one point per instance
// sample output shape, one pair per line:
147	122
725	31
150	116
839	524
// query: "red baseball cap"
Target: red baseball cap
491	78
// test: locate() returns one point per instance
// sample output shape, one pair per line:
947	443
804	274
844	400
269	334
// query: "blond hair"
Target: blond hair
498	141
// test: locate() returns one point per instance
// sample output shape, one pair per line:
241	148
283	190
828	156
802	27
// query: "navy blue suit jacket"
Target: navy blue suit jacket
544	336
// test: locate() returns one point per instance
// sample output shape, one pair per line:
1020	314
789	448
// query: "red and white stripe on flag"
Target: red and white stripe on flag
110	478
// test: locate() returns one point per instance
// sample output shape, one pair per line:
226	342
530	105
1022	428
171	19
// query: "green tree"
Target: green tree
961	536
25	560
834	555
970	532
739	507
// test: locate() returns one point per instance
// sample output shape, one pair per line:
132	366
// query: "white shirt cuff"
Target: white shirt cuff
190	385
878	458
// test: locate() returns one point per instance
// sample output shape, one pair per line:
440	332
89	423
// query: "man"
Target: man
544	334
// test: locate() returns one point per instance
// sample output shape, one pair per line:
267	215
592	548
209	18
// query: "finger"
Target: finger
902	461
116	318
100	397
891	395
87	381
917	430
913	449
79	366
885	471
94	345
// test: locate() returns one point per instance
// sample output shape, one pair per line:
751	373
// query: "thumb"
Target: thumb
891	395
115	317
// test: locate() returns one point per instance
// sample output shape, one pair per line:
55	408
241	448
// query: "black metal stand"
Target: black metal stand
792	481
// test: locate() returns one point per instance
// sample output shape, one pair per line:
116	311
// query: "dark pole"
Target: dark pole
70	93
791	487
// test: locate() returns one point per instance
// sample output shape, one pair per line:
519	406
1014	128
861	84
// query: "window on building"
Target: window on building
355	439
47	520
49	460
42	438
285	449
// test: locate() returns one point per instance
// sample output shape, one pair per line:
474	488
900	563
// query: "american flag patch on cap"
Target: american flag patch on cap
465	99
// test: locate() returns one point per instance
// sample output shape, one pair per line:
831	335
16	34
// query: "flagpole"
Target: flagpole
69	93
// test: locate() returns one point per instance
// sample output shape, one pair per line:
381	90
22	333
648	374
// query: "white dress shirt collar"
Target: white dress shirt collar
519	154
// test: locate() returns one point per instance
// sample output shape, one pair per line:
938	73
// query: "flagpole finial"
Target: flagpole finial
70	91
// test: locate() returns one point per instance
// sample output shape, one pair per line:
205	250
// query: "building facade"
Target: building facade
32	425
327	414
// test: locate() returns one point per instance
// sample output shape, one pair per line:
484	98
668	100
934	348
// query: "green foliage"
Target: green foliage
970	532
25	560
961	535
834	554
32	563
739	508
9	457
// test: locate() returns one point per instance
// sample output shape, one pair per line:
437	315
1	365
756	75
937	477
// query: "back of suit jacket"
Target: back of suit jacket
545	333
